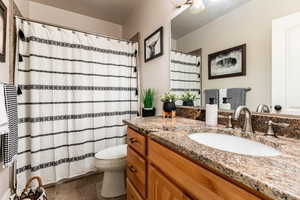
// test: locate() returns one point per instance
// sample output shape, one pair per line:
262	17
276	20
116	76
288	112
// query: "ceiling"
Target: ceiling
115	11
187	22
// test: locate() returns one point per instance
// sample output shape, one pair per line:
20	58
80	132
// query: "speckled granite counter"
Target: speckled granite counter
276	177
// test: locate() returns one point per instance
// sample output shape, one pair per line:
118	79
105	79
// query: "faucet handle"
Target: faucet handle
229	122
282	125
270	131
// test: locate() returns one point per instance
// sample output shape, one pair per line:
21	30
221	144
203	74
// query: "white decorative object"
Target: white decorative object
211	115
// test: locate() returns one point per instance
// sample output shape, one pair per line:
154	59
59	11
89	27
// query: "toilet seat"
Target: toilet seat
110	153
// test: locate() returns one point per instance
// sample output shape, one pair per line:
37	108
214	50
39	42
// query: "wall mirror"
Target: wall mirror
239	52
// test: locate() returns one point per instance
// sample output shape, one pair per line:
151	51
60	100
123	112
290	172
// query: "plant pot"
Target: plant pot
169	106
188	103
148	112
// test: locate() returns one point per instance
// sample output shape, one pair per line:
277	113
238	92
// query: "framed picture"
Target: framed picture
227	63
3	17
153	45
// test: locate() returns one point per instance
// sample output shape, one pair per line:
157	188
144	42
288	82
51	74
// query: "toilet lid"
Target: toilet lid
115	152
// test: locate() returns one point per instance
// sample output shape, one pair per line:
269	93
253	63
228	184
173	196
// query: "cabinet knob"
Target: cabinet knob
133	140
278	107
132	169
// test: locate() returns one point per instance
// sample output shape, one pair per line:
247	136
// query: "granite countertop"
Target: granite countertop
277	177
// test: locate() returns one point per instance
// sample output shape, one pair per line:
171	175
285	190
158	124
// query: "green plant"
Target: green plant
188	96
148	97
169	97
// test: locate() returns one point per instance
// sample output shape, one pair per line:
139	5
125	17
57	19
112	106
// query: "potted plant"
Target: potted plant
169	102
188	98
148	99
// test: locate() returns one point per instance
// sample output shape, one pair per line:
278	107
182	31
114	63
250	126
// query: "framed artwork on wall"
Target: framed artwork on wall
153	45
227	63
3	19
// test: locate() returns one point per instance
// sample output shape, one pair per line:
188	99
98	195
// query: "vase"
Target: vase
188	103
148	112
169	106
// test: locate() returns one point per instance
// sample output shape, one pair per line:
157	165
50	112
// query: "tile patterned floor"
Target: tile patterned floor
82	189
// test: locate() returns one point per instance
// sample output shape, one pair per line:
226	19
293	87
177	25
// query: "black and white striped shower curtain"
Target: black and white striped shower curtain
185	75
76	91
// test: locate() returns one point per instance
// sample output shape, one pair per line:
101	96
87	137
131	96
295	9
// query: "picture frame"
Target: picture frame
3	23
227	63
153	45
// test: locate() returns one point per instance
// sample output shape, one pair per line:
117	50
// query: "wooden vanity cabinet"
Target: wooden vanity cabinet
196	181
137	142
155	172
160	188
136	171
132	193
136	166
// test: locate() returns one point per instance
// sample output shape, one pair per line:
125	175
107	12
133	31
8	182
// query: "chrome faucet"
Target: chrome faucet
248	122
262	108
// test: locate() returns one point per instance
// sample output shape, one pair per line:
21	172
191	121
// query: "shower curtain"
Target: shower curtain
185	75
76	91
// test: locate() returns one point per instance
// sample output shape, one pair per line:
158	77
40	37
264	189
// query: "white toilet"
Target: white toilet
112	161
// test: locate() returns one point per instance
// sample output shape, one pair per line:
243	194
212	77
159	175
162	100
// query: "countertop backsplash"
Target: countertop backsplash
259	120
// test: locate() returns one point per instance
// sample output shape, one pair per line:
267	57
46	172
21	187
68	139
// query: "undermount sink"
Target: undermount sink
234	144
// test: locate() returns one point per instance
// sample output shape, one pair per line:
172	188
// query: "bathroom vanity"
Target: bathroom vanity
164	163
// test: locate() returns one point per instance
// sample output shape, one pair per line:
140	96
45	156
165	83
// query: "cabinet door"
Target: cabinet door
198	182
132	194
285	64
160	188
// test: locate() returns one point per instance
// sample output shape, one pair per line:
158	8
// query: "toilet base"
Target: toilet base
113	184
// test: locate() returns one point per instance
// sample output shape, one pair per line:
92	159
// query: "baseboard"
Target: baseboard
6	195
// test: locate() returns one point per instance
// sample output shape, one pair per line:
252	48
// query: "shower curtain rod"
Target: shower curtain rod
71	29
178	51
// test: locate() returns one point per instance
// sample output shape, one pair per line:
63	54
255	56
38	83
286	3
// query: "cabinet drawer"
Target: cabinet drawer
132	194
198	182
136	141
136	171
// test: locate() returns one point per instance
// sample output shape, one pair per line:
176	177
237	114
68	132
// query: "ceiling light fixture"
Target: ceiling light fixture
196	6
180	3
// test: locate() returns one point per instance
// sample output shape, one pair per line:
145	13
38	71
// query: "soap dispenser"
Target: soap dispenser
225	105
211	116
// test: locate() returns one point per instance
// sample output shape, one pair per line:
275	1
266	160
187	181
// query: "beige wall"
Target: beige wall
4	77
149	16
54	15
250	24
173	44
23	6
